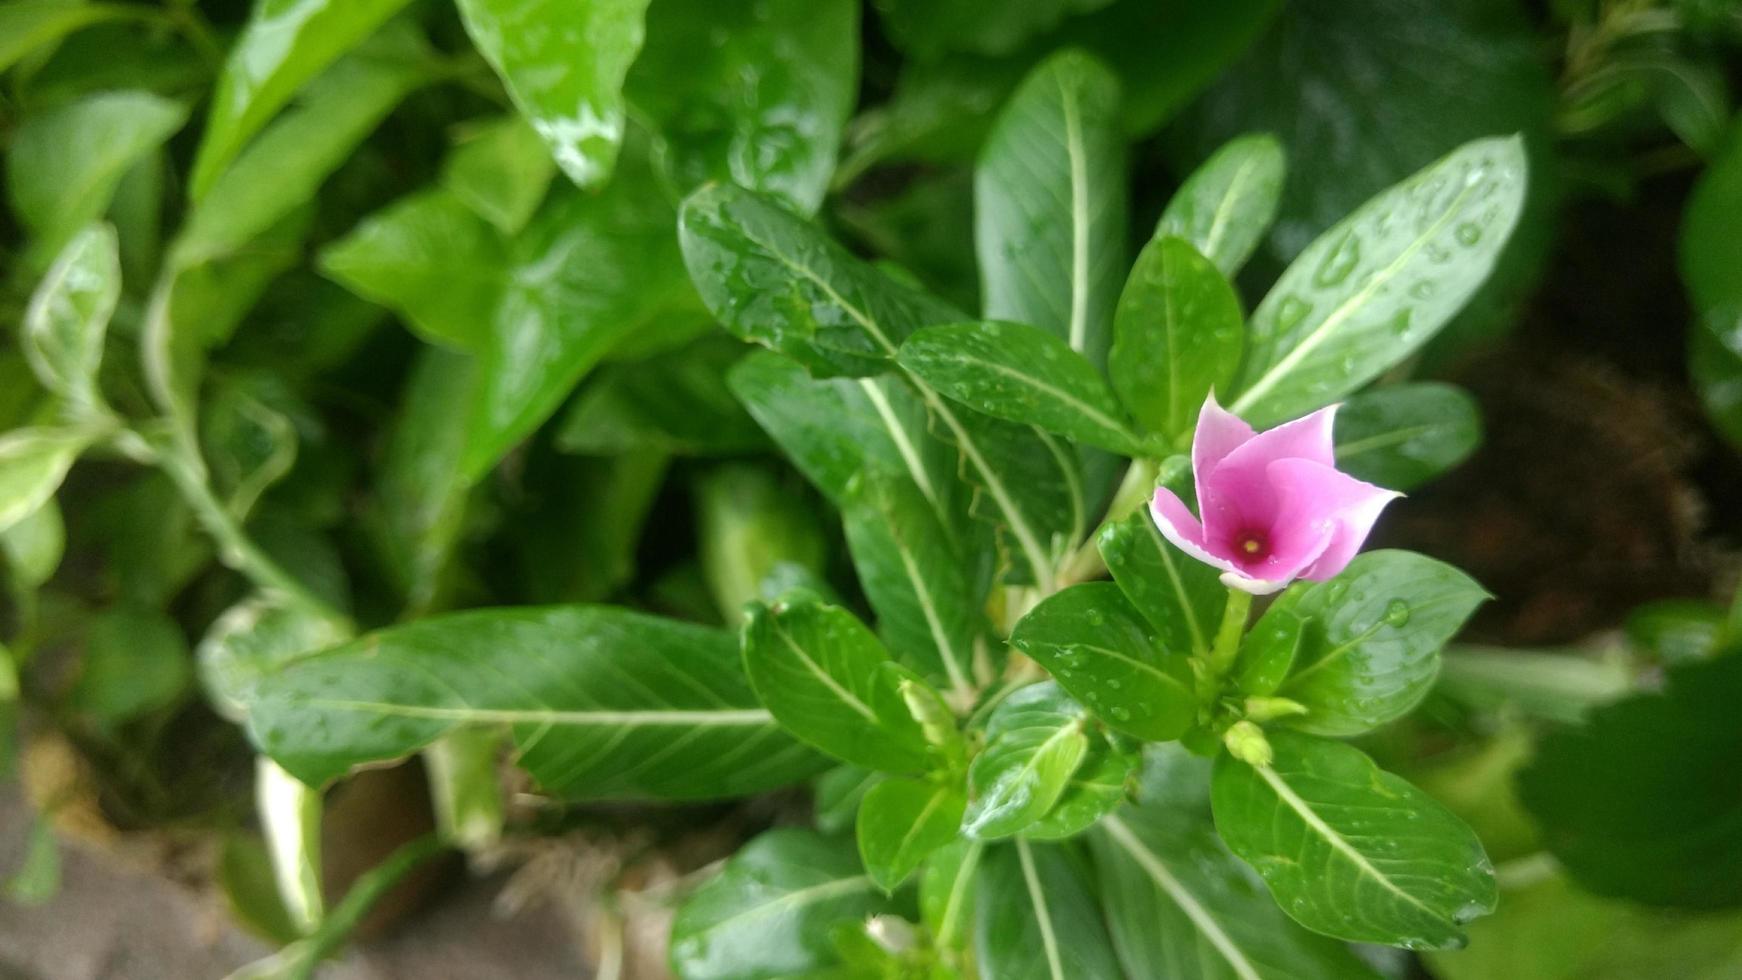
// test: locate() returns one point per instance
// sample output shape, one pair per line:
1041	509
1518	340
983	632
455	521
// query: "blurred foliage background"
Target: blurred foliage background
445	354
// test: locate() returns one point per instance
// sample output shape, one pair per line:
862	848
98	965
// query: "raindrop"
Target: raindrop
1396	613
1336	266
1468	233
1120	714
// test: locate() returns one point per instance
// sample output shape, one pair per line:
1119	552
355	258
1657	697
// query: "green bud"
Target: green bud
1246	742
1262	709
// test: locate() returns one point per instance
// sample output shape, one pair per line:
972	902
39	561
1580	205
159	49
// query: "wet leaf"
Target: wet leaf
1352	851
564	66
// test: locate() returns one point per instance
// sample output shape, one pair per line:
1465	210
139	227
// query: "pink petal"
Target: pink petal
1315	499
1175	522
1236	495
1219	433
1308	437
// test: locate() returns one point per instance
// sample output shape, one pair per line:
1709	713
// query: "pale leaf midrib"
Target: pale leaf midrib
994	485
1042	915
845	696
1187	902
1316	823
628	718
802	896
1094	414
1079	327
1346	309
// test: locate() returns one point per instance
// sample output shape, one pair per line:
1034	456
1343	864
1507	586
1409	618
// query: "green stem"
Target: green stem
369	888
235	549
1138	486
1227	645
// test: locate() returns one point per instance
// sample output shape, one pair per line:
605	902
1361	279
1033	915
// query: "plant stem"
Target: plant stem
1227	645
359	900
235	549
1134	490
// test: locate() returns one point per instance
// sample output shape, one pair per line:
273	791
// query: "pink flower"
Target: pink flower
1275	507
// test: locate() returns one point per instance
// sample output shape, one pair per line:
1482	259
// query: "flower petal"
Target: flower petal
1219	433
1175	522
1312	495
1308	437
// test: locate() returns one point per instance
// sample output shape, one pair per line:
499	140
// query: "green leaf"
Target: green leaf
29	25
948	892
194	308
919	586
1180	906
1044	923
1403	435
420	491
837	794
580	543
564	65
1023	374
1049	201
1224	208
1097	788
1177	336
33	548
1708	250
1350	850
1629	803
1035	741
1101	649
63	165
588	272
1716	373
1375	287
677	402
430	259
284	44
901	821
749	525
834	429
249	444
1387	109
602	703
773	279
135	662
818	669
1270	648
244	875
251	639
1180	596
33	462
769	912
501	171
69	316
282	170
753	93
464	787
290	820
1372	641
1164	54
926	30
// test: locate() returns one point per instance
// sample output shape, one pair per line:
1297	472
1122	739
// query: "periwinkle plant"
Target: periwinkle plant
1048	774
